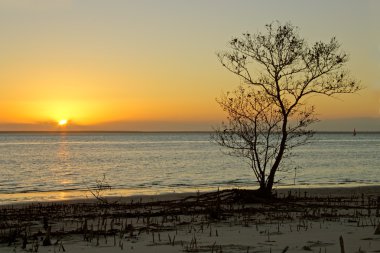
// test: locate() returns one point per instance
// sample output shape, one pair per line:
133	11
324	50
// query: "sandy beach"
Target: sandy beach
298	220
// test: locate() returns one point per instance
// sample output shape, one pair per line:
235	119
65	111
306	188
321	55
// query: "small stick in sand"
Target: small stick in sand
47	241
377	231
341	242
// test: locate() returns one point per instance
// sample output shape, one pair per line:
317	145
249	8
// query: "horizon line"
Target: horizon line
151	131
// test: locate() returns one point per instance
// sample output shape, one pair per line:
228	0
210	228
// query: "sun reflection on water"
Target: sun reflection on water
63	151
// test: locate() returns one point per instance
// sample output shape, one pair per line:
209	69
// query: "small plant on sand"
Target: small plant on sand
101	186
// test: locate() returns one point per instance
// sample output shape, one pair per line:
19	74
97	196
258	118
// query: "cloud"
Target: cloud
113	126
337	125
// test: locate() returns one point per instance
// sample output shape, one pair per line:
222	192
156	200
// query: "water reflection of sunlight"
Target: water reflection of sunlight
65	181
61	167
62	195
63	152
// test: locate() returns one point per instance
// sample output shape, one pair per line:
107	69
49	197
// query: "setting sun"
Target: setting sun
62	122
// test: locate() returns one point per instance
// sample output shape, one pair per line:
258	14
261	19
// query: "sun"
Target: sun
62	122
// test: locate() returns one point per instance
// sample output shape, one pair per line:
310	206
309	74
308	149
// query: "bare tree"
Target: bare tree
268	116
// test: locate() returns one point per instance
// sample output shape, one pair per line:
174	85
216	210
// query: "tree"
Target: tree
268	116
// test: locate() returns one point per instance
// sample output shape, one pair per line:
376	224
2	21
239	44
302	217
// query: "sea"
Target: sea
64	166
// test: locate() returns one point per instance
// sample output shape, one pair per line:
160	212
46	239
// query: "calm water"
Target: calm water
64	166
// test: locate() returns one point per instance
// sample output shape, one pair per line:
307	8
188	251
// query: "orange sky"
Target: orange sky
151	65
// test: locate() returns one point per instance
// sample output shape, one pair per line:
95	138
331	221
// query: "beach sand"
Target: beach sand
299	220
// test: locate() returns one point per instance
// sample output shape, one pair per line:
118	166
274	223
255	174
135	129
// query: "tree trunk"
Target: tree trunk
264	192
270	180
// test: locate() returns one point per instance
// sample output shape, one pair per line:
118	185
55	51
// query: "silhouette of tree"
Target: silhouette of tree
267	115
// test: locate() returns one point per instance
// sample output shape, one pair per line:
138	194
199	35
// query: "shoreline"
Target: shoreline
281	192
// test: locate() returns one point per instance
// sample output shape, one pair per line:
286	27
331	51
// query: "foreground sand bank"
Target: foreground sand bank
300	220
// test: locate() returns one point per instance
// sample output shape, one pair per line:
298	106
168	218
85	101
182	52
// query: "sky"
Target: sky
152	66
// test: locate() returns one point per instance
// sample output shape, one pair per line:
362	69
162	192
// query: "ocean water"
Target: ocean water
55	166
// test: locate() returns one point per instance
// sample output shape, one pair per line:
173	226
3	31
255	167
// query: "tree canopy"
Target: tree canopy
268	116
